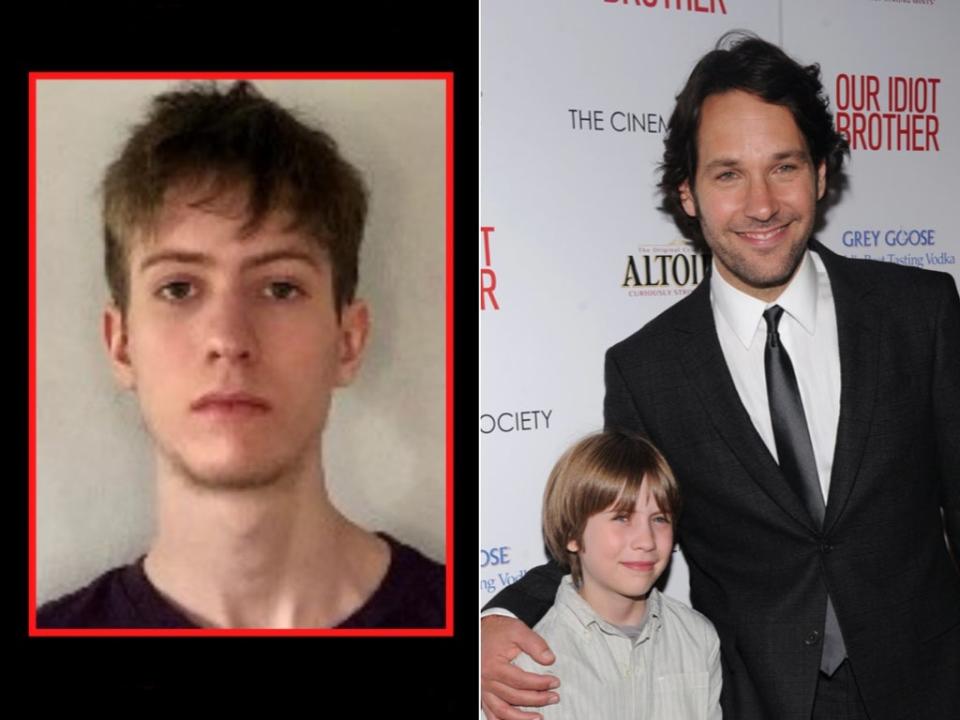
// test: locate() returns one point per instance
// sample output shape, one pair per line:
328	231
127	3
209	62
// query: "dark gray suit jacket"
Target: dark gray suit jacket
759	566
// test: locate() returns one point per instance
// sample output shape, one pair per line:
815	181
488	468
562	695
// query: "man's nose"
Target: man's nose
761	201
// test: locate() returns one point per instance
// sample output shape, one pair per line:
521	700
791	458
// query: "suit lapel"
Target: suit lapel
858	332
704	364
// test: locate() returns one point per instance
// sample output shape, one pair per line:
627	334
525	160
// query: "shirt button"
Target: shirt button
812	638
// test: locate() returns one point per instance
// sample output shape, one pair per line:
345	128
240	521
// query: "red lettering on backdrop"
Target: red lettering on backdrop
702	6
488	277
485	231
906	120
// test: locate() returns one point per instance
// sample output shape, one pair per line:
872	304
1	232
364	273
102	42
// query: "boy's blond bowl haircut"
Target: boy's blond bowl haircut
602	469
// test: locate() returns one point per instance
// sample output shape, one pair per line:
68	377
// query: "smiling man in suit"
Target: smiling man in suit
810	406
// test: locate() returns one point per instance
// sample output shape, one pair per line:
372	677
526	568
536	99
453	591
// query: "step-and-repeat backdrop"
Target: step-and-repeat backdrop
573	254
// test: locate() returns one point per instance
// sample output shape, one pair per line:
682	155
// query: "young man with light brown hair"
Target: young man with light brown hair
232	233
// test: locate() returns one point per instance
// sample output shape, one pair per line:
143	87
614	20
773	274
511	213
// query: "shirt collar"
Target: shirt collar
744	312
568	596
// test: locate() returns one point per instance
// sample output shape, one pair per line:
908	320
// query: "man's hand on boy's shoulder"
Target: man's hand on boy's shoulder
502	684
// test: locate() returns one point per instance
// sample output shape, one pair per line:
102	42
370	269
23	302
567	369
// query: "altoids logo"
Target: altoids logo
672	270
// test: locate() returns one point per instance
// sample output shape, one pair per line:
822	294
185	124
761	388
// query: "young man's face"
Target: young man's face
232	344
756	191
623	554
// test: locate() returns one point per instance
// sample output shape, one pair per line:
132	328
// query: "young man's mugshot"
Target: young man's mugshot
231	240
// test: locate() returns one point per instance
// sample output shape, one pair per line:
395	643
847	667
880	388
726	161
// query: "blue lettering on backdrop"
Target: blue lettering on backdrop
494	584
495	556
893	237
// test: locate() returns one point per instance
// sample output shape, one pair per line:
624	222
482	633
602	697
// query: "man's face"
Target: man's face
623	554
232	344
756	191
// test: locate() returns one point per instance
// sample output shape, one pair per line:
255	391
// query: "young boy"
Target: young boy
232	235
623	649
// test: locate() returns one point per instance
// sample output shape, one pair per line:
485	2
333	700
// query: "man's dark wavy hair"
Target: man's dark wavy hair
742	61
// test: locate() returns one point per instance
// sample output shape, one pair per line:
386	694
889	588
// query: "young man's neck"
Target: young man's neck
279	555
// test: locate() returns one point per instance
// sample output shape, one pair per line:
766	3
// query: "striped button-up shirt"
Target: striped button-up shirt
670	671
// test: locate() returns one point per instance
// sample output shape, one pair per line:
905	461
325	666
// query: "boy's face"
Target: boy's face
623	554
232	343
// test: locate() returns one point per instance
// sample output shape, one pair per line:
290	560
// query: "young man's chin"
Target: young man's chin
234	474
233	482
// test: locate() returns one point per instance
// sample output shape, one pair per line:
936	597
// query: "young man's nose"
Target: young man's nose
230	334
761	200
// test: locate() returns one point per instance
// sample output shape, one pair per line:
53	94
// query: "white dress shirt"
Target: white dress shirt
669	671
808	331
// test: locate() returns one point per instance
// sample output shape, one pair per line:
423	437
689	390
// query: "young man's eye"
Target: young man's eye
177	290
282	290
726	176
786	168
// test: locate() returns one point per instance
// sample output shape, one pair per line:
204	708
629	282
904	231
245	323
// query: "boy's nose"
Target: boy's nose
643	538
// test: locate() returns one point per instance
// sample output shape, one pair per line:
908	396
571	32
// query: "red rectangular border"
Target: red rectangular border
447	630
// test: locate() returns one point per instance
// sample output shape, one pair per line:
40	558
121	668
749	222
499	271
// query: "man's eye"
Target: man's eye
725	176
786	168
282	290
177	290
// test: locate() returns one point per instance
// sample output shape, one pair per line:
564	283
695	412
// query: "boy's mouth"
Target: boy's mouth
639	566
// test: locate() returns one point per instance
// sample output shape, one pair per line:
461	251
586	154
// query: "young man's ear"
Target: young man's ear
354	331
686	198
821	179
115	339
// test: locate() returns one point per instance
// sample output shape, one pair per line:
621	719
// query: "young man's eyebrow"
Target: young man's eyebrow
179	256
276	255
198	258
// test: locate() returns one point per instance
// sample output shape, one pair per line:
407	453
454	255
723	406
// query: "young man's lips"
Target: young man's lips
230	402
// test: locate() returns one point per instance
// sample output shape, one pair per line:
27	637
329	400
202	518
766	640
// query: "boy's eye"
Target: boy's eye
177	290
282	290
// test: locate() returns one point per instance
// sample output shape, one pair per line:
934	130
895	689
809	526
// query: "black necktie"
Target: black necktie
797	461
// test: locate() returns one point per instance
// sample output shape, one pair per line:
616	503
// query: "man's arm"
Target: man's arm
503	638
946	399
503	684
531	596
619	409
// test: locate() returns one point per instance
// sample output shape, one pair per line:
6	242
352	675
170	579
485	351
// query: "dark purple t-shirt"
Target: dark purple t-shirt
411	595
